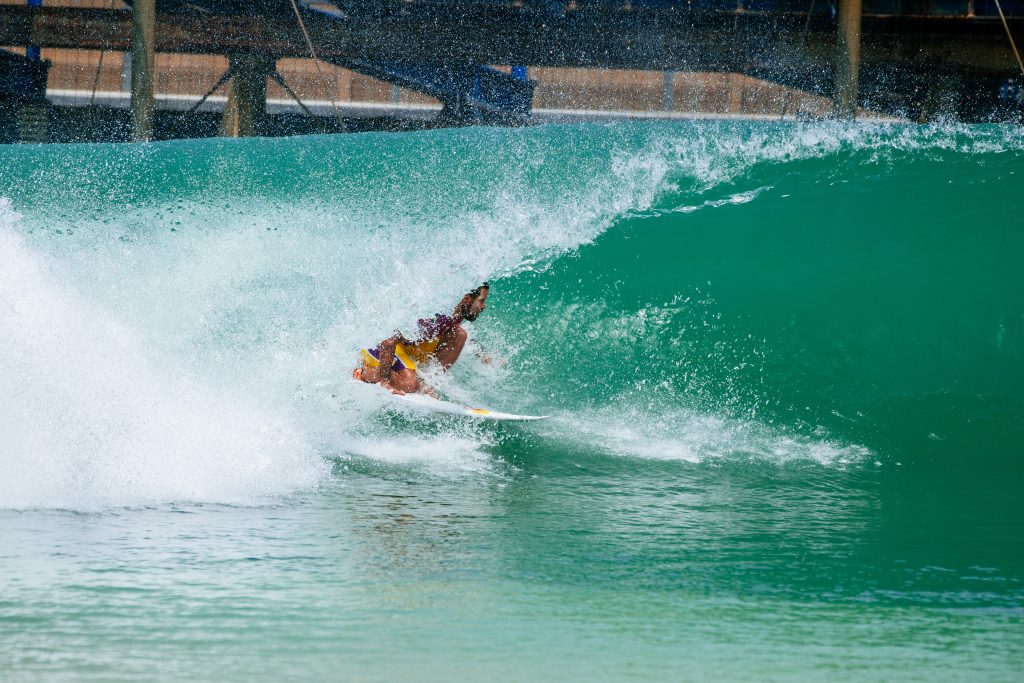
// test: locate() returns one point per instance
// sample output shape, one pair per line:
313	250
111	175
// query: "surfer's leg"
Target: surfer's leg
405	380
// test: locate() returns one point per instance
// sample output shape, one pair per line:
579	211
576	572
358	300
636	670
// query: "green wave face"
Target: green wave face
860	288
712	292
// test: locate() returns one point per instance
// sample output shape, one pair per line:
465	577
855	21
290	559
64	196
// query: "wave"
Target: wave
180	319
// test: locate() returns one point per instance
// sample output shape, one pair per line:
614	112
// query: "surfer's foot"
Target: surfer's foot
368	375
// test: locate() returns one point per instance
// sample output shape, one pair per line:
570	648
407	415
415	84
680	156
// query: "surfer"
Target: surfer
393	363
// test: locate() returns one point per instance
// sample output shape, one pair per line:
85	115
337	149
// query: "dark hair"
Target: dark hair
476	292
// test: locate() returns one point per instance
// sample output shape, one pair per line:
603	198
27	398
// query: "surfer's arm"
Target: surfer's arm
450	348
387	357
386	352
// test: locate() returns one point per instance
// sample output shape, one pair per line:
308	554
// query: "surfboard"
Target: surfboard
436	405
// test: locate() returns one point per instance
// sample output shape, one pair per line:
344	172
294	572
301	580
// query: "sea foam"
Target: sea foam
90	418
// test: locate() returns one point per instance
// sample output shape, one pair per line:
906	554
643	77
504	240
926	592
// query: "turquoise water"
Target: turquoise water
783	364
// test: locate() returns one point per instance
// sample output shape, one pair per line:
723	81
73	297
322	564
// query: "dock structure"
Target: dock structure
914	59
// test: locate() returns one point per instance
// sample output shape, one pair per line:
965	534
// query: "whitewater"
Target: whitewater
783	364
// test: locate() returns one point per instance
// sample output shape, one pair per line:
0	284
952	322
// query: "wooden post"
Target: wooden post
847	59
668	93
143	66
246	110
735	105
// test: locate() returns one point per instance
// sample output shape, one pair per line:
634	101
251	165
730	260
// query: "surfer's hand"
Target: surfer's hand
488	359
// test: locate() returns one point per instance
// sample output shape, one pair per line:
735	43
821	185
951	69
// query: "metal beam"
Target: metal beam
683	41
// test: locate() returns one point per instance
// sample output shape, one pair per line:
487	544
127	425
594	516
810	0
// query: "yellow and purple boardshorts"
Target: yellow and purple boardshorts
406	355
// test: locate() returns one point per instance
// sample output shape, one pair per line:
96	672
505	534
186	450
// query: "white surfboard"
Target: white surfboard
438	406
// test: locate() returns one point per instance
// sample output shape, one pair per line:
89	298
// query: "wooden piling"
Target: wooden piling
847	58
143	68
246	109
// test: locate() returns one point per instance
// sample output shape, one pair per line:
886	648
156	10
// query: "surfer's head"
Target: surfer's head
473	304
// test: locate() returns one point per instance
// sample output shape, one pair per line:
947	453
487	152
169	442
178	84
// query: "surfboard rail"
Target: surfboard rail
449	408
